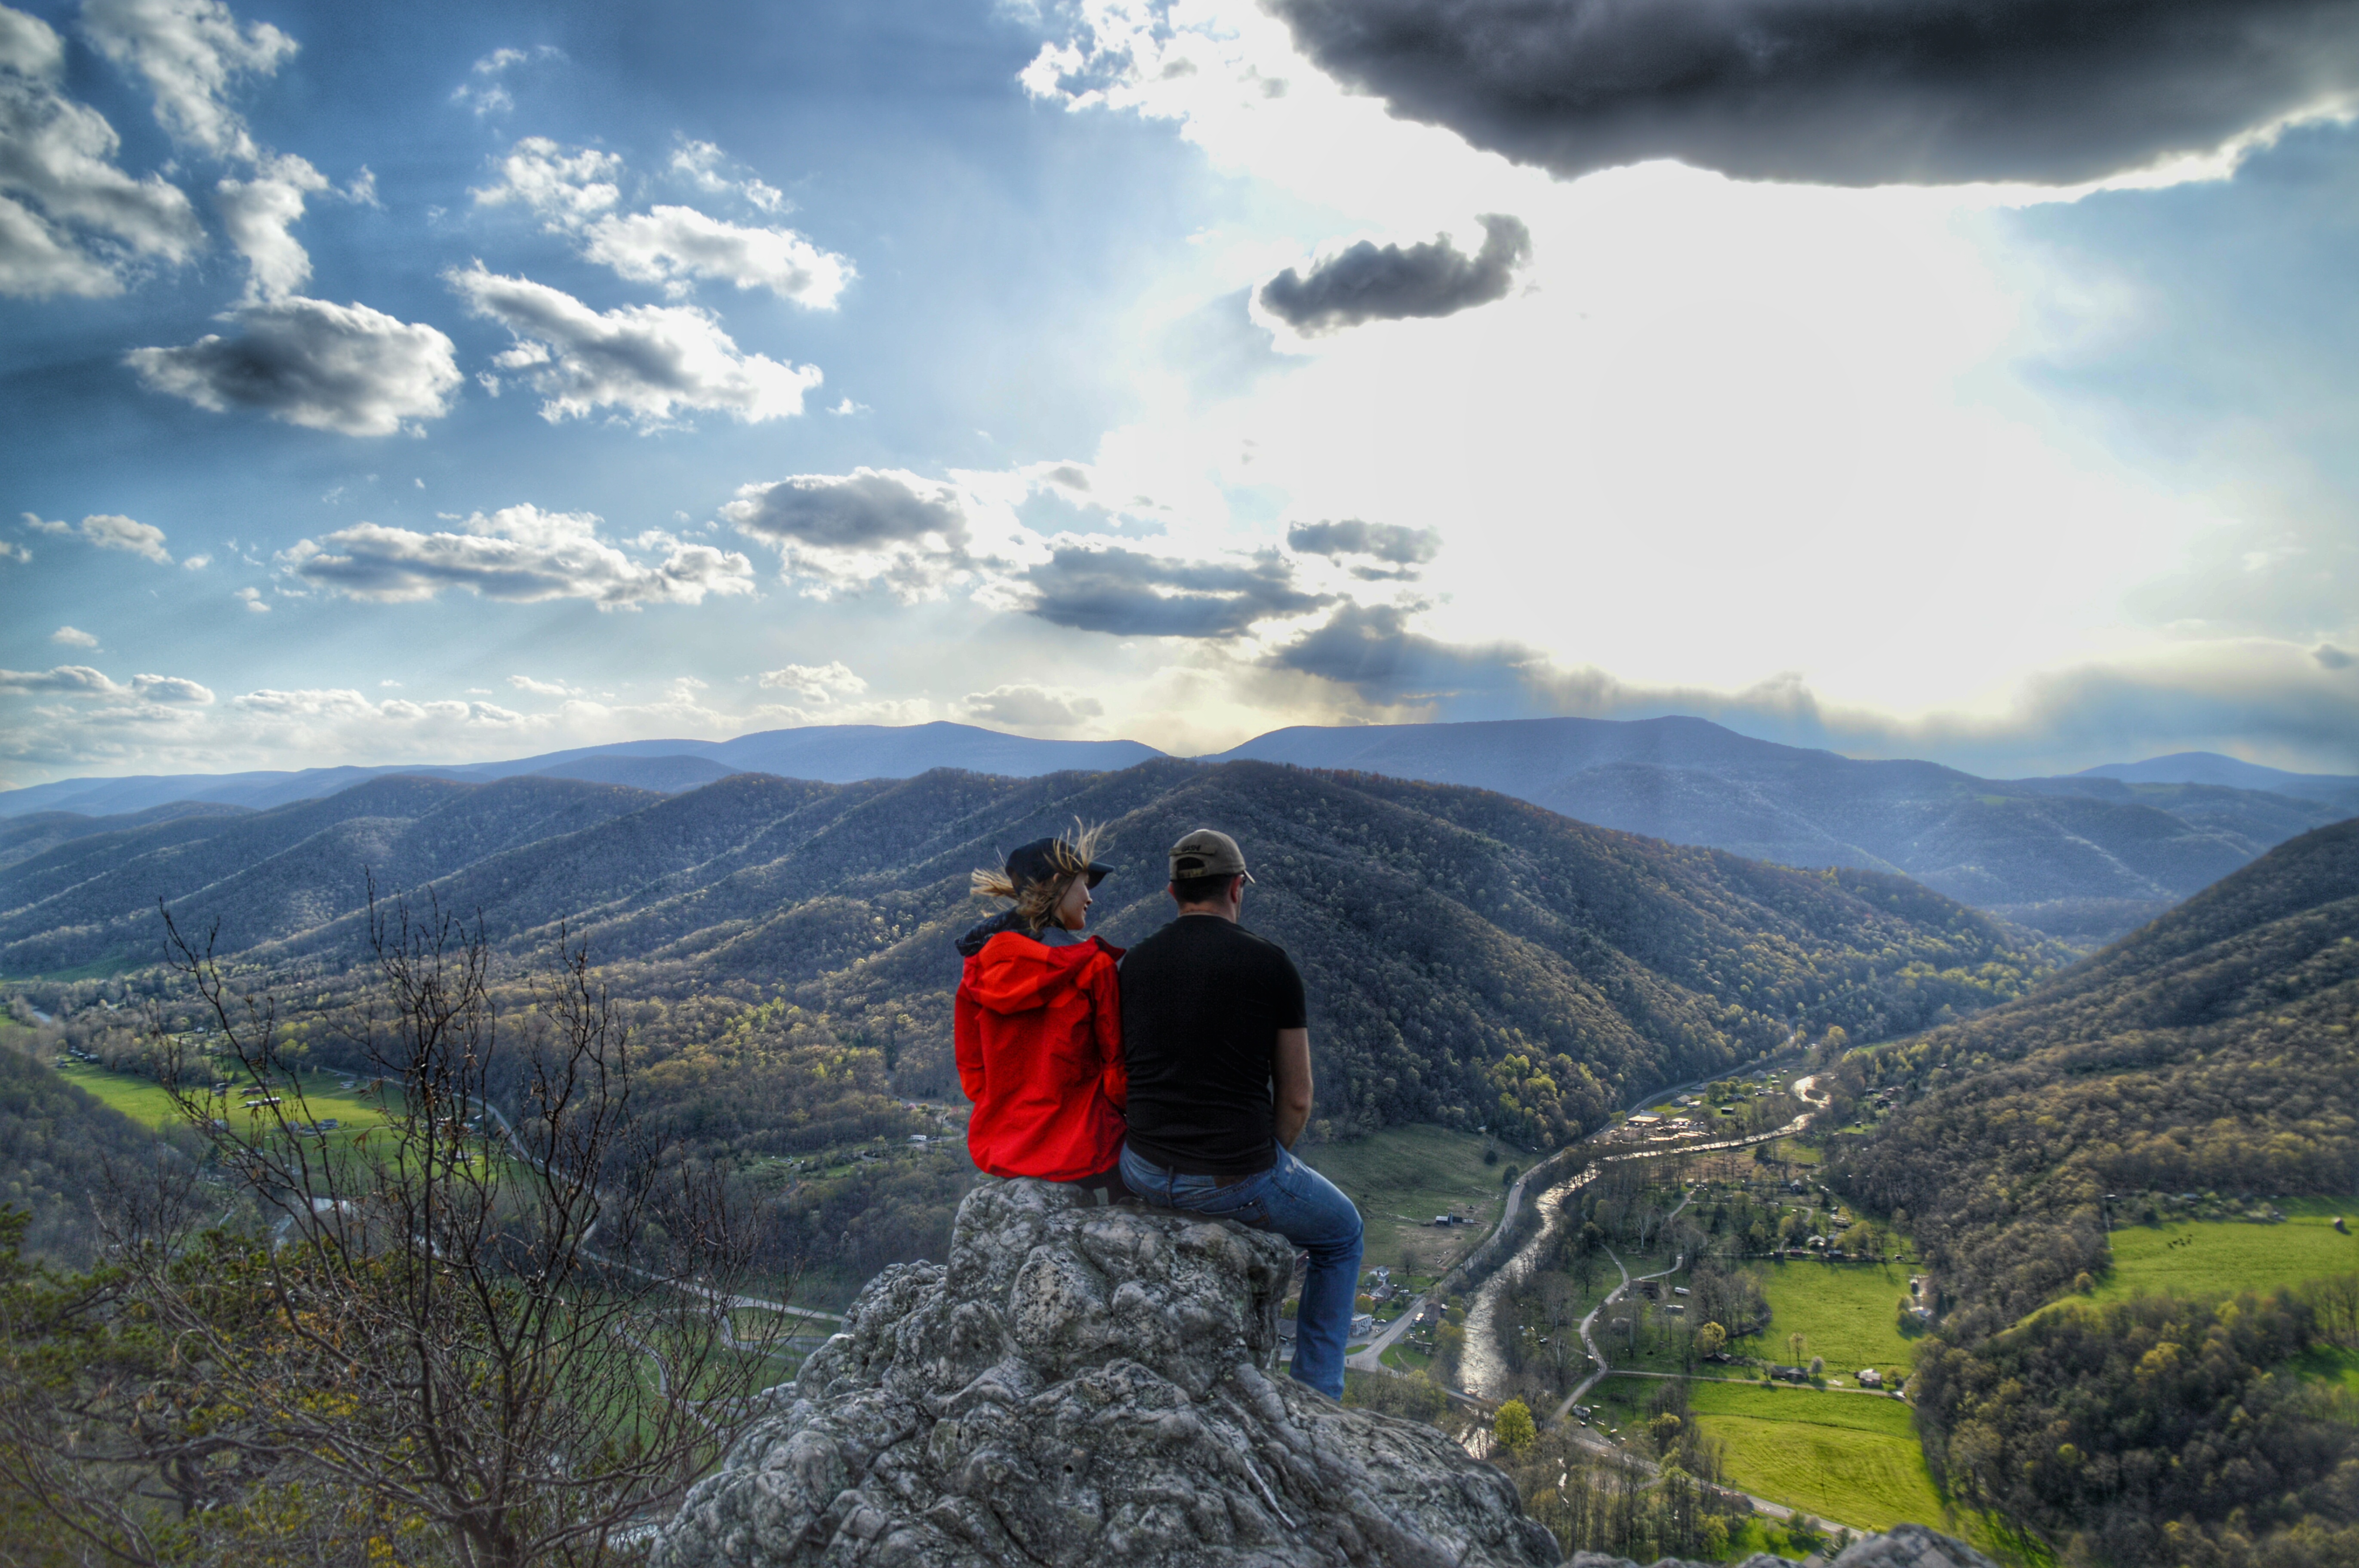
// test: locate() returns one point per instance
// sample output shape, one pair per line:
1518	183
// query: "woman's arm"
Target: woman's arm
1105	1024
966	1044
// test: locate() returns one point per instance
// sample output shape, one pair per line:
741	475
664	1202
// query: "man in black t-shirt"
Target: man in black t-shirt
1217	1049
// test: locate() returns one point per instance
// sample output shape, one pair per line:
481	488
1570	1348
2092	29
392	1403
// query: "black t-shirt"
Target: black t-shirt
1202	1001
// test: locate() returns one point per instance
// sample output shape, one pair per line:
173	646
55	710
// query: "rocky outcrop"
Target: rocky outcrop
1904	1546
1086	1384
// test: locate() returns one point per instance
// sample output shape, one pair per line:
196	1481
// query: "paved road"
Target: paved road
1370	1358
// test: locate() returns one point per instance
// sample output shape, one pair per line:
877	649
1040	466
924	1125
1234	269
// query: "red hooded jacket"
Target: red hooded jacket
1038	1035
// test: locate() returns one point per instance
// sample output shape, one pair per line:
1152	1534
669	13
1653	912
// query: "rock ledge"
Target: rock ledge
1078	1386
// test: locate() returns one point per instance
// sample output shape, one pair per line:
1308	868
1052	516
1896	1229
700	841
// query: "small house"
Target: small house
1869	1378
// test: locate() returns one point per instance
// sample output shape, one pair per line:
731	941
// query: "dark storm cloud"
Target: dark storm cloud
1370	648
2249	697
1382	541
1133	595
1842	91
1369	281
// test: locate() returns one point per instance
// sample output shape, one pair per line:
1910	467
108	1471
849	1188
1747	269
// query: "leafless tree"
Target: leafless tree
500	1318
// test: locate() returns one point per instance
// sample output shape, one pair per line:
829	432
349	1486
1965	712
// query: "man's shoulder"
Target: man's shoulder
1205	932
1261	944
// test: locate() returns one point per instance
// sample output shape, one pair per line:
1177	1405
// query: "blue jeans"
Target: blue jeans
1291	1200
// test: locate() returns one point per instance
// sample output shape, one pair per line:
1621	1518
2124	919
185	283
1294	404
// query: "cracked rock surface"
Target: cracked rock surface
1084	1385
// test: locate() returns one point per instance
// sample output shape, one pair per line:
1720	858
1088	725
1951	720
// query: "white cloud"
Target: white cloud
306	361
649	362
70	221
564	188
306	703
12	551
198	563
81	681
577	191
194	54
258	215
169	689
840	533
700	163
252	599
73	637
542	687
816	683
64	680
671	245
109	531
519	553
485	90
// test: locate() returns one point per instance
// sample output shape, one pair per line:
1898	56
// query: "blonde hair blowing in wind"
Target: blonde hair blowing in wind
1036	902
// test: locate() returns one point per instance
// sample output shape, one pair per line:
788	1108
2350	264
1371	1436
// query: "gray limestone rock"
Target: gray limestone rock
1086	1384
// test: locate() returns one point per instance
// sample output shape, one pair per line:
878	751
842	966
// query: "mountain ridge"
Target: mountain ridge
2082	856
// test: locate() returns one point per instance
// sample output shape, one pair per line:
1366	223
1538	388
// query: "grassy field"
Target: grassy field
1846	1457
1401	1178
1847	1312
145	1101
2202	1257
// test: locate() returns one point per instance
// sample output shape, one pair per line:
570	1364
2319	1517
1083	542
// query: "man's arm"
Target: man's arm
1290	1073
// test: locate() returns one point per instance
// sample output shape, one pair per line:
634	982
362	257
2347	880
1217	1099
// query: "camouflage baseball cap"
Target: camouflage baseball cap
1207	852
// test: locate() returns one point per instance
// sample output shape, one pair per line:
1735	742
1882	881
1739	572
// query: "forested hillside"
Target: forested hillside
783	948
2215	1052
60	1150
1470	957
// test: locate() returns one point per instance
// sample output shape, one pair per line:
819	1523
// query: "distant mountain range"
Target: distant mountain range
1464	950
833	754
2083	857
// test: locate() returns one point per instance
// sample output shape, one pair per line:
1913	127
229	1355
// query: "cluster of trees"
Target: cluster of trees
1676	1505
61	1152
2216	1049
2135	1432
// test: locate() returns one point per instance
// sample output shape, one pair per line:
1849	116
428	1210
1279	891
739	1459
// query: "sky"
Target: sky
1965	378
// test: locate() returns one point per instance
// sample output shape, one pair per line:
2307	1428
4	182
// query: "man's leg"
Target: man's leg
1311	1212
1292	1200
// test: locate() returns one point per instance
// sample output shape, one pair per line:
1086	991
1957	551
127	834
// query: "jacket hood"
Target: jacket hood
1020	974
972	943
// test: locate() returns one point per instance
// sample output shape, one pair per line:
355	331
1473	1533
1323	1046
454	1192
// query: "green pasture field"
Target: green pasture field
1851	1458
1847	1313
1402	1177
145	1101
2227	1257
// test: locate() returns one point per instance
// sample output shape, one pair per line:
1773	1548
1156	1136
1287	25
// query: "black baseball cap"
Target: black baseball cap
1046	858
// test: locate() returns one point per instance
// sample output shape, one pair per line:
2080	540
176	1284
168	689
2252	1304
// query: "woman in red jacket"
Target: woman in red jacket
1038	1022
